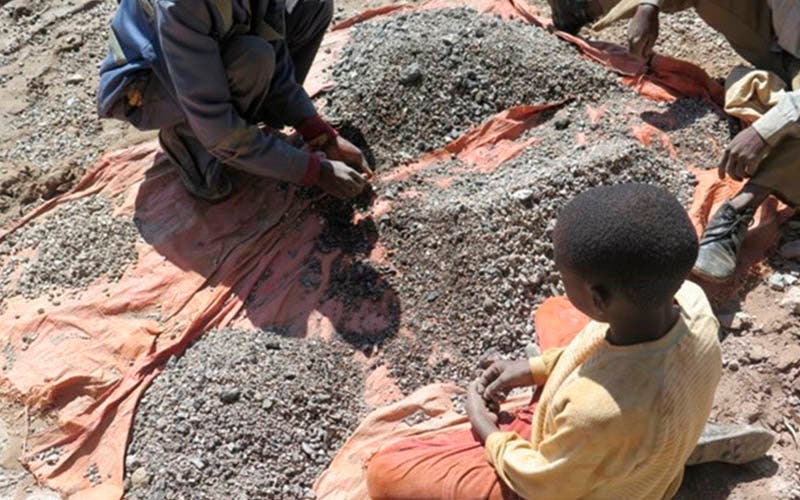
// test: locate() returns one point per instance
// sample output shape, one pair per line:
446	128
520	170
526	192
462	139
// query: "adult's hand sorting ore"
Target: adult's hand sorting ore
643	31
339	180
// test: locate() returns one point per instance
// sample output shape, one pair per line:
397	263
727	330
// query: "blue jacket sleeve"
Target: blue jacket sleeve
287	98
194	62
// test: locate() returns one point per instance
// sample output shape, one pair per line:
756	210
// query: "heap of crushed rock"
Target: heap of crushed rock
244	414
475	260
73	246
411	83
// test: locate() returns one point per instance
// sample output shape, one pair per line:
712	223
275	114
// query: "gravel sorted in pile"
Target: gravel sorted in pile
412	83
74	245
244	414
475	260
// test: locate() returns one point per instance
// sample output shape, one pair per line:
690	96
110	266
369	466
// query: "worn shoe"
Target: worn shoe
202	175
721	241
731	444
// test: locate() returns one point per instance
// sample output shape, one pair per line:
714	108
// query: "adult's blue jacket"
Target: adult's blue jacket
179	43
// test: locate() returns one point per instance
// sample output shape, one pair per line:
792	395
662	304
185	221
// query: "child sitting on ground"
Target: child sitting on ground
620	410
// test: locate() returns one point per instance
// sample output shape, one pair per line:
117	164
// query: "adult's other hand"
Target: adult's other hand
340	149
743	155
643	31
339	180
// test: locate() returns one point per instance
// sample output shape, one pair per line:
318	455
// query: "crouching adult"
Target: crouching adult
208	73
766	154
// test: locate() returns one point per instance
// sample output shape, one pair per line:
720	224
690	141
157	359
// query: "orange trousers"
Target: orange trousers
452	465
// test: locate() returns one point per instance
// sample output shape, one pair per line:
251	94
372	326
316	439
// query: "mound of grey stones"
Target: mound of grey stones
244	414
74	245
411	83
476	259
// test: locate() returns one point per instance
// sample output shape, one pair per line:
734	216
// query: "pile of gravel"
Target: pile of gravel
74	245
474	261
411	83
244	414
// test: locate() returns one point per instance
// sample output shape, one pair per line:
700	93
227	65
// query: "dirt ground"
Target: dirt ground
49	134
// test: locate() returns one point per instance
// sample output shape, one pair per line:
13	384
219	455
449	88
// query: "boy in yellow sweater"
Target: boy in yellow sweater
621	408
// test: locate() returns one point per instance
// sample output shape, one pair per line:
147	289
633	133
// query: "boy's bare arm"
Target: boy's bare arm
483	420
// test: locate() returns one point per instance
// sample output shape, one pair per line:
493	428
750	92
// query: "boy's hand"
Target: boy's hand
643	31
502	376
483	421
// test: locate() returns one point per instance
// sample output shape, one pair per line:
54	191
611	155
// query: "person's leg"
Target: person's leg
779	175
305	26
250	64
450	465
725	232
747	26
201	173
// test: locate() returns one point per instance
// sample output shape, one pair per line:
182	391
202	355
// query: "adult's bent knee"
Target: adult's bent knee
250	64
247	56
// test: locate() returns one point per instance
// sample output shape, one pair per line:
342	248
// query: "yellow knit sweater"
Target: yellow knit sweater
616	422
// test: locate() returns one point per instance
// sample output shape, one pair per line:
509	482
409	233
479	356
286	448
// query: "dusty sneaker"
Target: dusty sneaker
732	444
208	183
721	241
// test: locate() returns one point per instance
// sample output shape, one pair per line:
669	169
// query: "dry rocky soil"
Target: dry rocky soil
249	414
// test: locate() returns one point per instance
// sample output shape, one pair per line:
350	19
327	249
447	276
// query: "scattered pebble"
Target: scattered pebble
140	478
791	299
75	79
229	396
779	281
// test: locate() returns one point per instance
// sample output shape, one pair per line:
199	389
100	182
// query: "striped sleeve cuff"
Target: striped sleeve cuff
538	370
315	127
781	120
496	443
313	168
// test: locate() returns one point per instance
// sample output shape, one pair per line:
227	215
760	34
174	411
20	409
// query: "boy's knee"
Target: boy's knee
378	482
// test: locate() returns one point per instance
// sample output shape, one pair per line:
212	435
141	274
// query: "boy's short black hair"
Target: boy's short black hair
635	238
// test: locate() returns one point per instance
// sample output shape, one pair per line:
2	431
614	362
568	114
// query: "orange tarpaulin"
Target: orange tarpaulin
557	323
239	263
